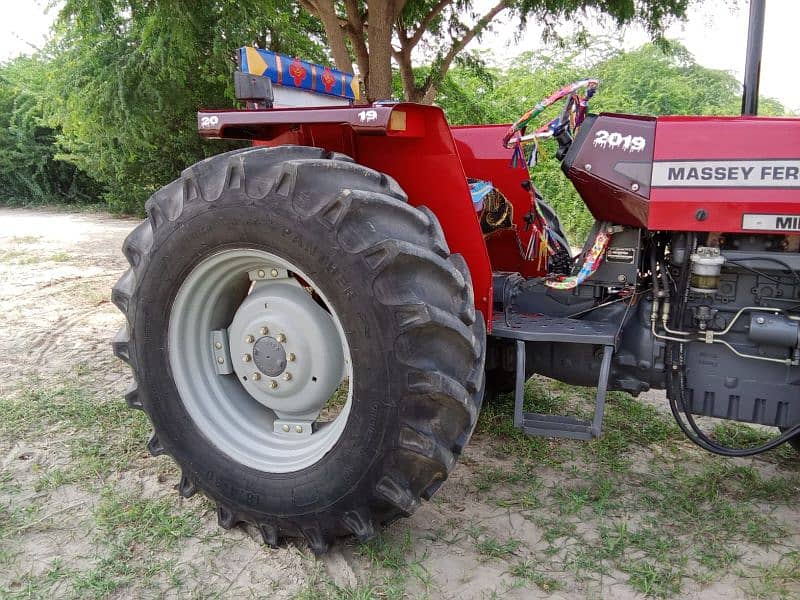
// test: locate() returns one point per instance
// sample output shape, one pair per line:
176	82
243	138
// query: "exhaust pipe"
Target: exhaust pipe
752	67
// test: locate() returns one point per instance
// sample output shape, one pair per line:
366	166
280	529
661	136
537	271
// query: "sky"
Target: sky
714	33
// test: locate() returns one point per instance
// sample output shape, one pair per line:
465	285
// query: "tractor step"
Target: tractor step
533	327
540	328
556	426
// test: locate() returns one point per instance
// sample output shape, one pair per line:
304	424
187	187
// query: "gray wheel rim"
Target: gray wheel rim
237	421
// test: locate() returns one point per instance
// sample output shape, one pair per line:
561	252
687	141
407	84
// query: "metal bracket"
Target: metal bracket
292	428
221	350
268	274
557	425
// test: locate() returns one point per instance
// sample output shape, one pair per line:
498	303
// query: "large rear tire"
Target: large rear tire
413	344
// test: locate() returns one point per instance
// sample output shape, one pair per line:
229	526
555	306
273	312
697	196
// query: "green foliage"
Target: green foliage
661	79
130	77
29	174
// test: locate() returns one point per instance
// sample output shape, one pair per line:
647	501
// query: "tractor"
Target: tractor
314	321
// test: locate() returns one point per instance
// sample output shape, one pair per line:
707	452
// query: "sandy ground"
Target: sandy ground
69	535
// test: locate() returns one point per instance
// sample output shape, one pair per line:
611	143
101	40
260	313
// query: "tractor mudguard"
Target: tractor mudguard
410	142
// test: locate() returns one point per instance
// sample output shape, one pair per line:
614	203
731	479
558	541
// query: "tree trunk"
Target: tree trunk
381	19
326	12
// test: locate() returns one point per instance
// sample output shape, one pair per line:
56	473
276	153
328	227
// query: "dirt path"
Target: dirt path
84	510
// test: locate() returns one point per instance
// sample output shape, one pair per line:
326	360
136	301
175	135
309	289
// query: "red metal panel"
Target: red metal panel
429	169
485	157
613	179
722	138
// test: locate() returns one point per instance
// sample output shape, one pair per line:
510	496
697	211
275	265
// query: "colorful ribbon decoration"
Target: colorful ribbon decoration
539	107
593	260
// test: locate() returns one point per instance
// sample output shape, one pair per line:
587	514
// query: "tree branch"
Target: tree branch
427	20
438	71
356	34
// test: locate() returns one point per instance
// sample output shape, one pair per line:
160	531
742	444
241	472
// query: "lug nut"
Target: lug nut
273	384
264	331
274	272
220	360
261	273
218	345
298	429
285	428
281	338
249	339
291	357
256	376
287	376
247	358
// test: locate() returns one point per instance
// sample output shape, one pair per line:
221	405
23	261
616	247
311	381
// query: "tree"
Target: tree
129	75
373	33
29	170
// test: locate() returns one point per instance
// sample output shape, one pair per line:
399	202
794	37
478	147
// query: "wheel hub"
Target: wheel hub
269	356
286	350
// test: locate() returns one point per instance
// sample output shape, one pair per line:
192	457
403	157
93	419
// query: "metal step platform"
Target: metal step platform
541	328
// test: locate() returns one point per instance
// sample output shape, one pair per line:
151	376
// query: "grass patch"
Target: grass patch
778	580
394	565
666	521
18	257
526	574
136	532
104	435
25	239
60	257
491	547
653	578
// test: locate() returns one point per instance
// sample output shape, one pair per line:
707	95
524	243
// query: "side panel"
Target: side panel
718	173
484	157
425	162
609	165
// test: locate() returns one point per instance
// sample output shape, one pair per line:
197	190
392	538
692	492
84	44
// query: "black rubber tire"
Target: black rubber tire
405	303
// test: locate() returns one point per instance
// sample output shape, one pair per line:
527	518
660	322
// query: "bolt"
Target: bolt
220	360
274	272
285	428
264	331
635	187
249	339
298	429
281	338
291	357
273	384
261	274
256	376
760	320
588	166
247	358
287	376
218	345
